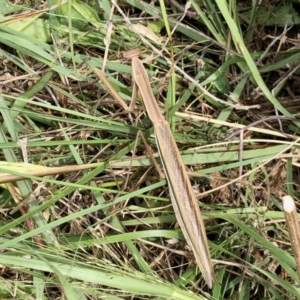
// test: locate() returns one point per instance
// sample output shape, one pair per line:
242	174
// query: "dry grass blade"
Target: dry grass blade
23	170
183	198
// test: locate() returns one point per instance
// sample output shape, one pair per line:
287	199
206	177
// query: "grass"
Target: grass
108	231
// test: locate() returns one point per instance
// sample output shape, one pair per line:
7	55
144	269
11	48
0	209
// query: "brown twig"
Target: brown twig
293	227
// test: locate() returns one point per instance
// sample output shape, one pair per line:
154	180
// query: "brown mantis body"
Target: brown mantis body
183	198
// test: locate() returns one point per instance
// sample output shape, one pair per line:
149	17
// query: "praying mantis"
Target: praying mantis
183	199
